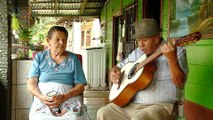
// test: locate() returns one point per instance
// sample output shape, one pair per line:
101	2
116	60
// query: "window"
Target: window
123	29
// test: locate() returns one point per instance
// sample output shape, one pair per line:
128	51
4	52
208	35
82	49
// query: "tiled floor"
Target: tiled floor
95	100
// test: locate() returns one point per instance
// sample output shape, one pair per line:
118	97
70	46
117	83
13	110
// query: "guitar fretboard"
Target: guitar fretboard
148	60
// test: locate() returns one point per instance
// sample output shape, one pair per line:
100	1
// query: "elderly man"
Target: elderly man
157	101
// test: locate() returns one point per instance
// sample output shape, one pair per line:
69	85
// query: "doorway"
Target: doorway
152	9
123	28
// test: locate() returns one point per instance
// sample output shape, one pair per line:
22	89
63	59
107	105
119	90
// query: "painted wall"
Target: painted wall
199	86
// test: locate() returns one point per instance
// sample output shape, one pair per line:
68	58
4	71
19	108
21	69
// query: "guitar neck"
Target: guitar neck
149	59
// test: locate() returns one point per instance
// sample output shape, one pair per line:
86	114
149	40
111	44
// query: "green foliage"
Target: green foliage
15	23
30	37
40	29
22	54
36	46
25	34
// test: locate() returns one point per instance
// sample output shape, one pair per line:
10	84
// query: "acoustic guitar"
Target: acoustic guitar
138	75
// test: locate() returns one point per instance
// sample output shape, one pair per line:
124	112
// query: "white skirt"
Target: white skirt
74	107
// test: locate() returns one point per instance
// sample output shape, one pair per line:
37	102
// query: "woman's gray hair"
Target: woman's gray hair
57	28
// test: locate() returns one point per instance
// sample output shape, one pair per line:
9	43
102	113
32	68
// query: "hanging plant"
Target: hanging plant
15	23
25	35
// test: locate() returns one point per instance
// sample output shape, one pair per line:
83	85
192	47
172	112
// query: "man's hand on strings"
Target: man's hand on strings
169	51
115	74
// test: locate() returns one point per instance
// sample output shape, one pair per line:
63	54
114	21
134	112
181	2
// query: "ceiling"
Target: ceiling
69	8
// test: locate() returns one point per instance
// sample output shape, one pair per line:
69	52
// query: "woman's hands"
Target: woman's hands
57	100
61	113
53	102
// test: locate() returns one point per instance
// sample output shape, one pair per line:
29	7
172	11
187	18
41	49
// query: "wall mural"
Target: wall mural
187	16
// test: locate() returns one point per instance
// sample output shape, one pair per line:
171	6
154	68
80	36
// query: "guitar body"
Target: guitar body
131	84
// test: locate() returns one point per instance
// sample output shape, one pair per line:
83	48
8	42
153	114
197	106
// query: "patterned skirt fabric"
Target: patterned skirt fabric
74	107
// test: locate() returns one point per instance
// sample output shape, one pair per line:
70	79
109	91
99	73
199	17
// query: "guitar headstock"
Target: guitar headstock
188	39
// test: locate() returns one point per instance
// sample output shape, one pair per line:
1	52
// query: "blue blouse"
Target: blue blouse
68	72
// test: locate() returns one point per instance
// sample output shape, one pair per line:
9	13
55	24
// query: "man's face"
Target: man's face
149	45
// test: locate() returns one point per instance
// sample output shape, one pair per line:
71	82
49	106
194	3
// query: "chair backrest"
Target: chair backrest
80	58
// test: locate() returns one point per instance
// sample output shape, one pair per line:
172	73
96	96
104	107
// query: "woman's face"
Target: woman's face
149	45
57	42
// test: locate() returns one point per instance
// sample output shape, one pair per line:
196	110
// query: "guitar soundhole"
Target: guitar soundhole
132	71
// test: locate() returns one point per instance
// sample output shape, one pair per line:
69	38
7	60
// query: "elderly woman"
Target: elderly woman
56	80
